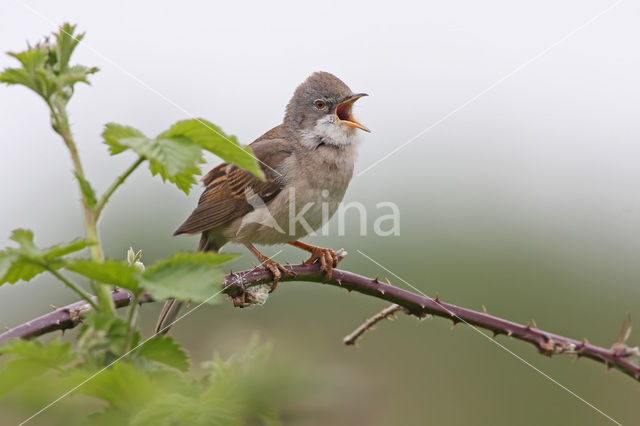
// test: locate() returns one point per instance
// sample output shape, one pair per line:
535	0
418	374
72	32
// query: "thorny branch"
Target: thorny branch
239	285
369	323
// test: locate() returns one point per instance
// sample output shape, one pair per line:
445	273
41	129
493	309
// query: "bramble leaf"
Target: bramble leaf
87	191
31	59
24	237
52	253
66	44
113	133
114	272
122	386
27	261
31	359
176	154
46	70
186	276
164	350
213	139
15	267
174	159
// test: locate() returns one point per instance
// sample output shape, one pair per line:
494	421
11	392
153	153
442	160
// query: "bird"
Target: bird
307	161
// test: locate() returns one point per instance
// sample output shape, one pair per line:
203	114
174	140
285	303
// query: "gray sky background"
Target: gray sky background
552	150
526	199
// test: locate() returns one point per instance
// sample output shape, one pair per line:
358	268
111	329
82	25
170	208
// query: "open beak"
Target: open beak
345	115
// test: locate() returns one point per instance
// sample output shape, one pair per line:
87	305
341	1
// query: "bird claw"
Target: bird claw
328	259
276	270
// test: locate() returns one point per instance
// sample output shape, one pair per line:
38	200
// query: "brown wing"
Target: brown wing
224	197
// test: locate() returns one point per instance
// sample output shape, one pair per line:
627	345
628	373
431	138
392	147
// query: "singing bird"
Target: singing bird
308	162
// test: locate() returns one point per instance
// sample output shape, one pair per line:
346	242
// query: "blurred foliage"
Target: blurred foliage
152	386
140	382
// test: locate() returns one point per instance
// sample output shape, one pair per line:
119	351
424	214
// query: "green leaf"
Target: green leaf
114	272
174	159
27	261
102	337
31	59
7	258
23	263
53	353
19	76
122	386
186	276
46	69
31	359
15	267
52	253
176	154
213	139
24	237
164	350
66	44
76	74
113	133
87	191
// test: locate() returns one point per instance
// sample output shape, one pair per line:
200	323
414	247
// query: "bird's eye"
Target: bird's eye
320	104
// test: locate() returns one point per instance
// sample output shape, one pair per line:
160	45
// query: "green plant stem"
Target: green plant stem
132	318
119	181
72	286
60	124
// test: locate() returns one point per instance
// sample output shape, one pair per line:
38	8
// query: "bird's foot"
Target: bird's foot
276	270
274	267
328	259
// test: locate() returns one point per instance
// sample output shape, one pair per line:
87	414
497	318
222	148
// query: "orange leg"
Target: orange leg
327	257
273	266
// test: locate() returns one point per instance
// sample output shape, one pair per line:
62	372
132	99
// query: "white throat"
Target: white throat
331	132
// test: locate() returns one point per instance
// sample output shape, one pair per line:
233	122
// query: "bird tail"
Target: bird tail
168	315
172	307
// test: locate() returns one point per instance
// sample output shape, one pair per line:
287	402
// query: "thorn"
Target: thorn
62	331
484	308
381	291
339	282
6	328
625	330
509	333
230	271
54	307
455	321
534	323
607	366
423	306
387	280
349	290
437	299
495	334
375	280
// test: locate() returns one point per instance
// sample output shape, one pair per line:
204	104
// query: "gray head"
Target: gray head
321	109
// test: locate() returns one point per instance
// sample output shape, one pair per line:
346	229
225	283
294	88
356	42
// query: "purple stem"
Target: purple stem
619	356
